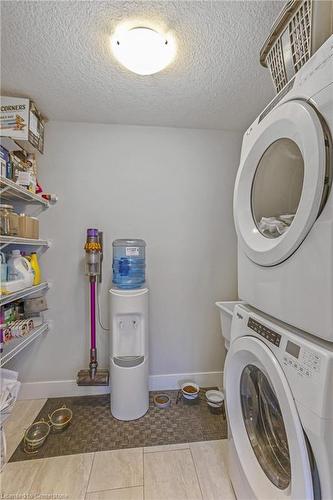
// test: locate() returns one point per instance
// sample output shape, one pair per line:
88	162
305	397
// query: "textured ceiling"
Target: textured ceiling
58	53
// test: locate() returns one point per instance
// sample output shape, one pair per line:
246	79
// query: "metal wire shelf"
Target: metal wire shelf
5	241
13	192
17	345
25	292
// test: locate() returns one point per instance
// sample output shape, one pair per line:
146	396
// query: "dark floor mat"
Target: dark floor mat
94	429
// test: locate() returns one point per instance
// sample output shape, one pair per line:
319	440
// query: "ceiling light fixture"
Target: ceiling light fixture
143	50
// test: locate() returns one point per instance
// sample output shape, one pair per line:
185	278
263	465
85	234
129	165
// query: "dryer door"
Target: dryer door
264	423
281	183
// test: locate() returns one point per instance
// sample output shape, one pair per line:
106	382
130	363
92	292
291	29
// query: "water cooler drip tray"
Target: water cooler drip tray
128	361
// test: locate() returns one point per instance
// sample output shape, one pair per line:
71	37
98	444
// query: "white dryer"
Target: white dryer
283	204
278	385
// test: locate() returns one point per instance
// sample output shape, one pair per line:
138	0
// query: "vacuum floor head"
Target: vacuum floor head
101	377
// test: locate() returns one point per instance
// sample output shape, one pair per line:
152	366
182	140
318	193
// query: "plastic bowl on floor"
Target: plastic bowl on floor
162	400
215	398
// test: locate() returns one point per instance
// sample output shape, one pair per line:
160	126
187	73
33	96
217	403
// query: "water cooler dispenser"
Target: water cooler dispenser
129	331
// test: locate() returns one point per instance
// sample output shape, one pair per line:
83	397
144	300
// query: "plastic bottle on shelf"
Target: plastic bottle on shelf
19	268
3	267
35	267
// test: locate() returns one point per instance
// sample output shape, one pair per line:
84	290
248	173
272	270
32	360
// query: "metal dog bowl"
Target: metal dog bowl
35	436
61	418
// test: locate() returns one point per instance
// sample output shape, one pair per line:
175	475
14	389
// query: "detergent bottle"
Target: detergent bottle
19	271
35	267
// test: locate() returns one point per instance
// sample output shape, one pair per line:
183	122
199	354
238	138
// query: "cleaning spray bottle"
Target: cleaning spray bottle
35	267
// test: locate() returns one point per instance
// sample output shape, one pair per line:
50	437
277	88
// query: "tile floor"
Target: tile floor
172	472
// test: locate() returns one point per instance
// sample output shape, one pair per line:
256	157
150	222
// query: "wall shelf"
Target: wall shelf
17	241
26	292
15	346
17	144
22	199
10	191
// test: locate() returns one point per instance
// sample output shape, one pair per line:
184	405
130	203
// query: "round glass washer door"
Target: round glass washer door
265	428
280	183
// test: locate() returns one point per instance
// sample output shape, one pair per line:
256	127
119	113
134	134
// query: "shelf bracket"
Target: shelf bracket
3	190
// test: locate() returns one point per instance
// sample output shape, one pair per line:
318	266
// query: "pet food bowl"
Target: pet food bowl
35	436
162	400
190	390
215	398
61	418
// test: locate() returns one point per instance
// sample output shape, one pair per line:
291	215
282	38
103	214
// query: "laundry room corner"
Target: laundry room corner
166	271
180	184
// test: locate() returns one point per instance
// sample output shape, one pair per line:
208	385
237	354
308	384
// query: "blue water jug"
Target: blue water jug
129	263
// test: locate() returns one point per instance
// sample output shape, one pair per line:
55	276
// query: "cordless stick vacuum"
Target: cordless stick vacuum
93	248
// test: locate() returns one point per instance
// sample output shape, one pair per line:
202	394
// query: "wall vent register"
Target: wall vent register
265	332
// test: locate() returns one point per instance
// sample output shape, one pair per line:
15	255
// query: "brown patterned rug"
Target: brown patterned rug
94	429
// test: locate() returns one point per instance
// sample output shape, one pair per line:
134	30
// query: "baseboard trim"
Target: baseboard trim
63	388
173	380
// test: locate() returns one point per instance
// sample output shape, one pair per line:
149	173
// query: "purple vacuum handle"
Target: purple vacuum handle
92	233
93	314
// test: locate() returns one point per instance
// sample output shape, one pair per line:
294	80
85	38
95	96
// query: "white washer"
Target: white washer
278	385
283	202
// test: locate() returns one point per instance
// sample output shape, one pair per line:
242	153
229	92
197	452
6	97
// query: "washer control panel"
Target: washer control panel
264	331
304	361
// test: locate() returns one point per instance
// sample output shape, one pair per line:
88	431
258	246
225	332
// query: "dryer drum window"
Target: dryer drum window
264	426
277	187
282	183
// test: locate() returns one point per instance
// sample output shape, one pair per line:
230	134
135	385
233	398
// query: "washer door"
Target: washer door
264	423
280	184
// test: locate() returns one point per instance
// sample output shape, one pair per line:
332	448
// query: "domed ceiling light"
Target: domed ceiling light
143	50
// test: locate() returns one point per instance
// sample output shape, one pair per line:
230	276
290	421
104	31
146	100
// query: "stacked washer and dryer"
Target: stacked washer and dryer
278	374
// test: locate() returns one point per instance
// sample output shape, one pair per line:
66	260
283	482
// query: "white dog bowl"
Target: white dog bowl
190	394
215	398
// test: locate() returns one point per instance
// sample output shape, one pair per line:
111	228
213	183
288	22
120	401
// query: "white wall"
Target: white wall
171	187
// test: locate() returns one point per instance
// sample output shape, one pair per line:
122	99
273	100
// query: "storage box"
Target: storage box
24	169
35	305
6	166
20	120
28	227
35	227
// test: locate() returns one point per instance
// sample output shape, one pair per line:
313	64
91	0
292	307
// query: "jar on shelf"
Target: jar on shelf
14	222
35	227
4	219
23	226
8	221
